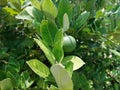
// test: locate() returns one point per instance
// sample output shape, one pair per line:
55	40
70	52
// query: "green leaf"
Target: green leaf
77	62
115	52
81	20
65	22
62	78
10	10
69	68
26	14
26	82
15	78
80	81
53	88
38	16
46	51
46	33
64	7
38	67
49	8
36	4
99	13
58	46
3	2
6	84
29	10
15	4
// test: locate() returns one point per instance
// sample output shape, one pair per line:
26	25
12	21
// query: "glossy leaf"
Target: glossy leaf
46	51
62	78
77	62
38	67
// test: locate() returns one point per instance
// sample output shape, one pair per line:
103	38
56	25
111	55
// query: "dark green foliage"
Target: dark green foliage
95	25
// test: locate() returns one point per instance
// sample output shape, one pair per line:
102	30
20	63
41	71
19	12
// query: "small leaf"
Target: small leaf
81	20
26	81
64	7
39	68
25	15
49	8
53	88
62	78
46	51
77	62
36	4
29	10
15	4
6	84
10	10
58	46
65	22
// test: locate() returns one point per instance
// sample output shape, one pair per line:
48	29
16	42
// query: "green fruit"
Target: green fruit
3	3
69	43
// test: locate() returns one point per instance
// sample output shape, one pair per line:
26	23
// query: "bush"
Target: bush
32	54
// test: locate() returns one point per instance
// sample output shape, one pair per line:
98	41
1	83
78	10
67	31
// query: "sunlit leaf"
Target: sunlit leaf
49	8
38	67
77	62
46	51
62	77
36	4
6	84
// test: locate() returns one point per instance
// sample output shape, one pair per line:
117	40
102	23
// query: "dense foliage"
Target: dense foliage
59	45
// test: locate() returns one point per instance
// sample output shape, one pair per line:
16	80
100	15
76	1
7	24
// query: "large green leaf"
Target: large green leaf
77	62
6	84
49	8
62	78
64	7
39	68
48	31
58	46
46	51
81	20
65	22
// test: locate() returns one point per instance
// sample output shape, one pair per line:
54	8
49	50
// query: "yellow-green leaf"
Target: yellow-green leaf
49	8
62	77
39	68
